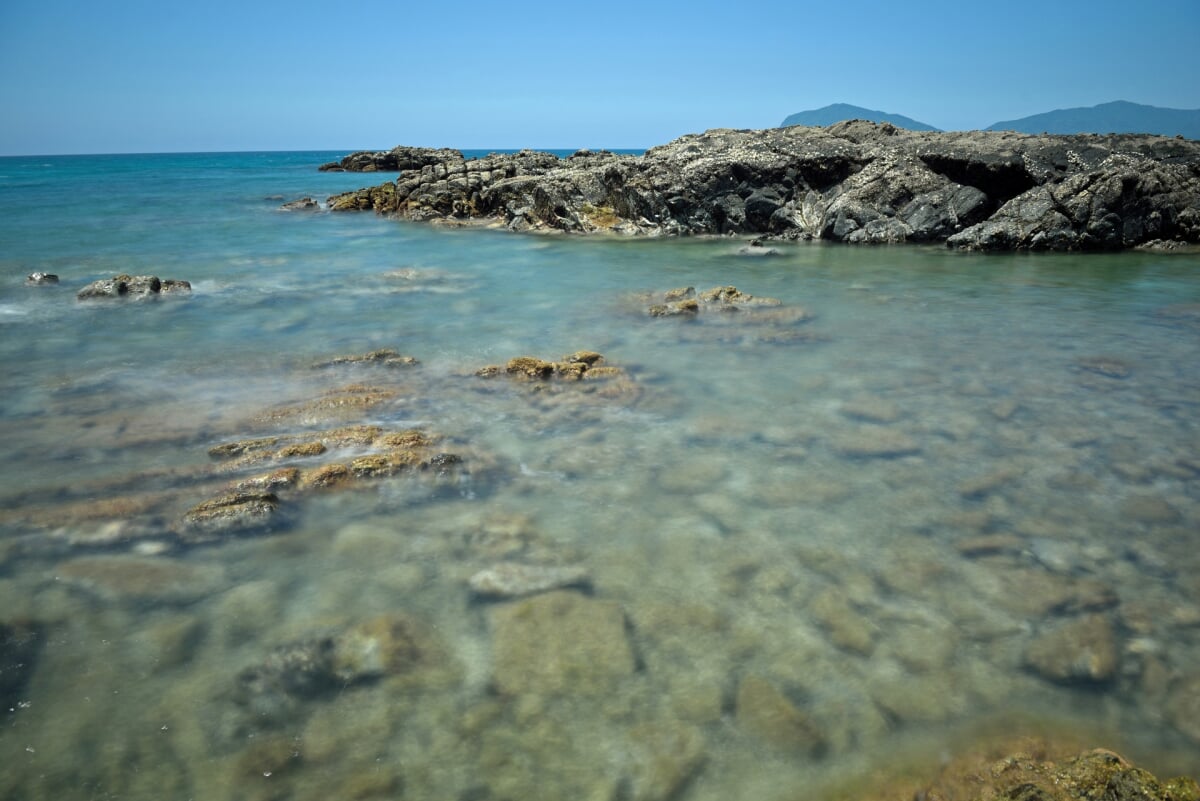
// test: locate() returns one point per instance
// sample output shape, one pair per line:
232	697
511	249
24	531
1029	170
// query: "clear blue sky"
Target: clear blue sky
102	76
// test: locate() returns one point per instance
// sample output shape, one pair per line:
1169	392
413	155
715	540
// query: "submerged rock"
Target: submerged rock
766	713
875	442
1184	707
559	643
393	647
514	579
666	756
1106	366
137	578
384	357
1081	650
20	644
389	645
41	279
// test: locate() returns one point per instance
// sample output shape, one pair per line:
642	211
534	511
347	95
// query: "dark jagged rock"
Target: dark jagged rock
41	279
851	182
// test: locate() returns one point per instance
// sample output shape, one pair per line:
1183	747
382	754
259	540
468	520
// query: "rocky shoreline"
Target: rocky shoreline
855	182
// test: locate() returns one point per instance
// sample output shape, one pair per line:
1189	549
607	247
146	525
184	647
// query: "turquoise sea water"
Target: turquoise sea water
960	494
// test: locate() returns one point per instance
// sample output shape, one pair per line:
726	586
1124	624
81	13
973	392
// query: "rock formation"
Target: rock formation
853	182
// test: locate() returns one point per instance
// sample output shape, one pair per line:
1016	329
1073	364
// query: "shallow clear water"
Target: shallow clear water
823	541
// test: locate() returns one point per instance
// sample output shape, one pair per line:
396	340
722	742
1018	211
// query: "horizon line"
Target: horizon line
306	150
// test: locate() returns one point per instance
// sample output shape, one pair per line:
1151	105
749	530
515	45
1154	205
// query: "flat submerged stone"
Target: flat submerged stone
136	578
560	643
514	579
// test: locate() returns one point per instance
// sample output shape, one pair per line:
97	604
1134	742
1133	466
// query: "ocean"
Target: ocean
899	500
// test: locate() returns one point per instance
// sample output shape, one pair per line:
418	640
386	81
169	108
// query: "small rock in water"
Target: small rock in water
385	357
514	580
303	204
41	279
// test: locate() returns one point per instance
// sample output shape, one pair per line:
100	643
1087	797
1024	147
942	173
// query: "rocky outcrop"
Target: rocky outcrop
394	160
852	182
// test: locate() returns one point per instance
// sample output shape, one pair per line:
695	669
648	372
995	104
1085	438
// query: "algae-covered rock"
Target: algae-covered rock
559	643
1082	649
237	510
766	713
529	367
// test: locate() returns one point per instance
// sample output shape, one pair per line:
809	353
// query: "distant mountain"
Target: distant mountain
843	111
1116	117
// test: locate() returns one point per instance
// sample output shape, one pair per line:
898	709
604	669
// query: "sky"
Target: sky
135	76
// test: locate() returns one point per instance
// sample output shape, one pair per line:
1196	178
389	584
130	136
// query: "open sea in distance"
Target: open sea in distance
919	498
